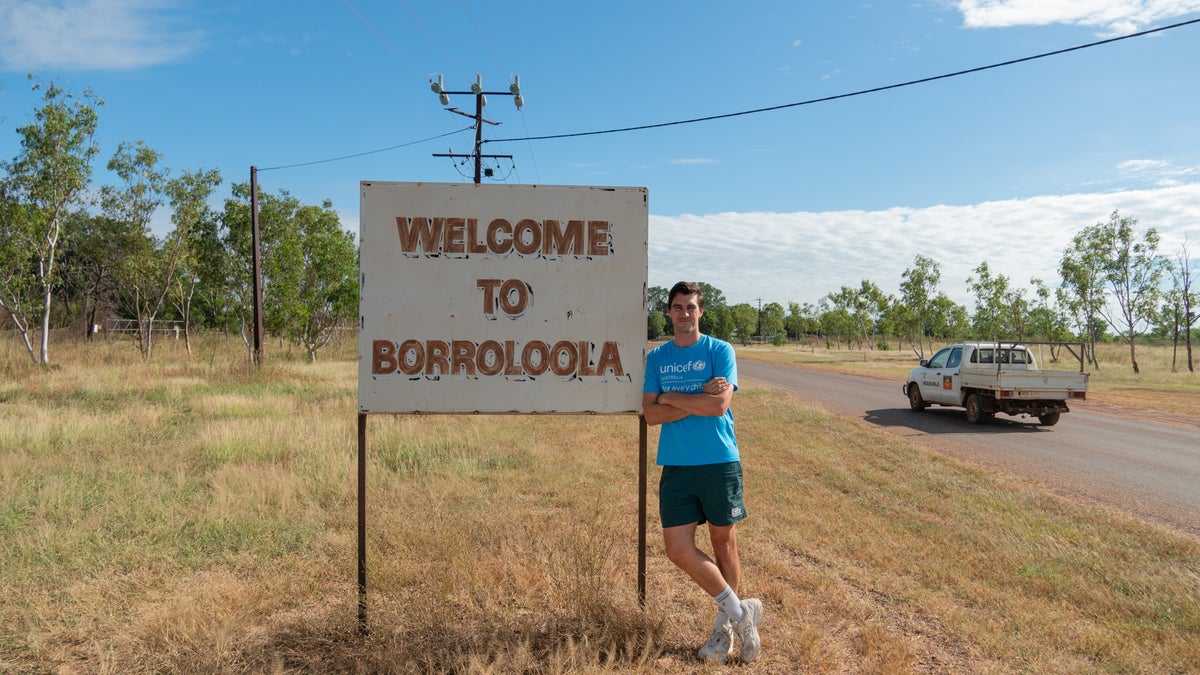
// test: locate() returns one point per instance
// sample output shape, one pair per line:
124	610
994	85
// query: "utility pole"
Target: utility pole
759	318
256	265
480	95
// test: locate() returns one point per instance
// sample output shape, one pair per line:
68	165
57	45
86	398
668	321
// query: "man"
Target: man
689	385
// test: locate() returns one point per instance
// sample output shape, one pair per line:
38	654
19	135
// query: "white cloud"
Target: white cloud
1114	16
90	34
800	257
695	160
1157	171
1140	165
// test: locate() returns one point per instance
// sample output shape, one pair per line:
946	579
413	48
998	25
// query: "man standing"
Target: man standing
689	385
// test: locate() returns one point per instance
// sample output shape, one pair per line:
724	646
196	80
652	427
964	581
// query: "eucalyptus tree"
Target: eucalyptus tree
713	297
146	273
190	214
1188	297
1083	291
835	323
801	320
236	257
713	300
1047	321
949	319
899	321
656	311
991	319
919	292
656	323
38	189
721	318
327	296
863	307
92	255
656	298
773	322
1133	271
224	296
745	320
1170	320
309	268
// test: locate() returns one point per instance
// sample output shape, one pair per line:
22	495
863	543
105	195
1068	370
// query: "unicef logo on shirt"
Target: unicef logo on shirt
682	368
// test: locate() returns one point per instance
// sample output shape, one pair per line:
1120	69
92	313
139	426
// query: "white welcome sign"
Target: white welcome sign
502	298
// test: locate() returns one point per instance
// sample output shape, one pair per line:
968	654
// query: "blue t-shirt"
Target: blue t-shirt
695	439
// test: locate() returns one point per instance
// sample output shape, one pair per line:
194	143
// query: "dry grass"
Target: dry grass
199	516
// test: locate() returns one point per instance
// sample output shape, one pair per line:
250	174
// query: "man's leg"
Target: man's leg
680	543
746	615
724	543
681	550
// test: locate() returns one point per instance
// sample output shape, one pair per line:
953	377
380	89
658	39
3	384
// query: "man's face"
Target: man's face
685	313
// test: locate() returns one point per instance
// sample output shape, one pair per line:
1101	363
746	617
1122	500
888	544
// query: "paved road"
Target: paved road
1149	469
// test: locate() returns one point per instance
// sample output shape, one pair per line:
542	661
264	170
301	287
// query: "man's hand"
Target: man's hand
716	386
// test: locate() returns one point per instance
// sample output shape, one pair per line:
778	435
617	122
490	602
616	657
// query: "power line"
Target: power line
471	18
431	35
854	93
369	152
381	36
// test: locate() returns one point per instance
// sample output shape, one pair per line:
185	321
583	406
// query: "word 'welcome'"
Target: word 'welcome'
463	237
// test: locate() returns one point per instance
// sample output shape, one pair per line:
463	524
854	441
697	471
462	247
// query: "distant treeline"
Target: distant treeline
1112	277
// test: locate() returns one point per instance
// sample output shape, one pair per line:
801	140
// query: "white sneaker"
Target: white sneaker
719	645
752	614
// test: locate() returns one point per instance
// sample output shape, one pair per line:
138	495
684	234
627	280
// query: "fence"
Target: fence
130	327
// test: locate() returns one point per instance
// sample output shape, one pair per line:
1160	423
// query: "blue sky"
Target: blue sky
1003	165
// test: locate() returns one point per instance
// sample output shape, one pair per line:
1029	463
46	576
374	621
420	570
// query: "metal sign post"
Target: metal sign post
362	523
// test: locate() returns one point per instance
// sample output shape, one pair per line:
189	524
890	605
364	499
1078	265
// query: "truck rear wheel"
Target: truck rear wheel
915	401
975	412
1049	419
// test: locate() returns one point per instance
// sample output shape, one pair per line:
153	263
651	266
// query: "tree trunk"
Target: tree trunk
246	342
1092	340
46	326
23	329
149	339
1187	340
1132	353
187	316
1175	349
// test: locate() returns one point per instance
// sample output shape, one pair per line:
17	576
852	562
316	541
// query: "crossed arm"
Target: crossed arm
670	406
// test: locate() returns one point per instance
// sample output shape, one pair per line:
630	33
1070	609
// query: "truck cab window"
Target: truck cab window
939	359
955	358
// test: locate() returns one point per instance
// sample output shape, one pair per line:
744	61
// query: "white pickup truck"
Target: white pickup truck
987	378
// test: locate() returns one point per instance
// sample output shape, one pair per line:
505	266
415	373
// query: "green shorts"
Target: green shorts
699	494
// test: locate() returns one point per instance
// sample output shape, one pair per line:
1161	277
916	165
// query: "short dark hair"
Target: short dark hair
686	288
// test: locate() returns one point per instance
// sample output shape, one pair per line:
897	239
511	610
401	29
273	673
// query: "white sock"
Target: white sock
729	603
722	618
